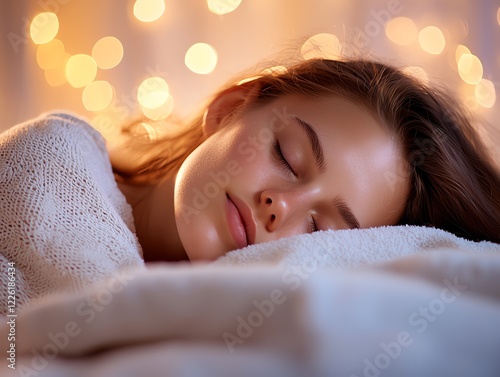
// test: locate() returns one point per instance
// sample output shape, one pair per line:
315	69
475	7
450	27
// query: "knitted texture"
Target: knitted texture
63	220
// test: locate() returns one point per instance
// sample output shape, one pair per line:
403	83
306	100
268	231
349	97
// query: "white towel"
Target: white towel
428	314
351	248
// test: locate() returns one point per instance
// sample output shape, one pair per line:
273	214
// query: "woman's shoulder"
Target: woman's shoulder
48	151
57	131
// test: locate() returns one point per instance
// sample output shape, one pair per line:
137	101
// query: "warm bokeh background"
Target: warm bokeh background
95	57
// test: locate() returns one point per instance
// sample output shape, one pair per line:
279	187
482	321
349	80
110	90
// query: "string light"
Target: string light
223	6
107	52
201	58
50	55
57	76
160	112
149	10
44	27
153	95
153	92
323	45
431	40
107	126
417	72
81	70
144	131
485	93
276	70
470	68
97	95
401	30
461	49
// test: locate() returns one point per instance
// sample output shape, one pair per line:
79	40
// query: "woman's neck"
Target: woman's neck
154	218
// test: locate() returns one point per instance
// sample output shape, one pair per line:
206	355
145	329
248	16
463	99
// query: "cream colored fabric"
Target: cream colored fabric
63	222
343	249
428	314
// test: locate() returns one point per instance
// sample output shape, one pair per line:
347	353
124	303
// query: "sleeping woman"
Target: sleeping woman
324	145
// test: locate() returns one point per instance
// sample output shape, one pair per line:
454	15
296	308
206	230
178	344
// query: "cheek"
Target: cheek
204	163
199	196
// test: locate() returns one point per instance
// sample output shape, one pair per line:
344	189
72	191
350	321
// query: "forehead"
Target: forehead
335	116
361	155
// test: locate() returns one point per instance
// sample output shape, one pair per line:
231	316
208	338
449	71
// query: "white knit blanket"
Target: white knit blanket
427	314
63	222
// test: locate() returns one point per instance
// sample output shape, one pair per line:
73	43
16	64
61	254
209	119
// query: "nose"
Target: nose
276	206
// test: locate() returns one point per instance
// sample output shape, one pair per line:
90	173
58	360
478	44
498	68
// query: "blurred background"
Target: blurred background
115	60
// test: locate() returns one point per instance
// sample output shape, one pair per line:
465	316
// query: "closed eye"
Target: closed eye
312	225
281	158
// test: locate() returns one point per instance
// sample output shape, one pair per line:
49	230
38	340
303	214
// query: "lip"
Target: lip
241	222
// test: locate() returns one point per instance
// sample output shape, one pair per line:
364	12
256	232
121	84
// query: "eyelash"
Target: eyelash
312	223
281	158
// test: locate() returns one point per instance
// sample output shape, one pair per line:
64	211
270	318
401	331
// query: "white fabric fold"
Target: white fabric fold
432	317
342	249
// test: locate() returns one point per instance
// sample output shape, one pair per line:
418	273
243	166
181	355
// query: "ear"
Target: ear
226	103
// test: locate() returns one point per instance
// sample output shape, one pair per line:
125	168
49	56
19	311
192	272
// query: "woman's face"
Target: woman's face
294	165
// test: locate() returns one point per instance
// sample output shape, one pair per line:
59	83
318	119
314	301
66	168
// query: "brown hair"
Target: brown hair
454	184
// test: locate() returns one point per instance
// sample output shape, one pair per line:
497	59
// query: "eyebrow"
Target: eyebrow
346	213
340	205
315	144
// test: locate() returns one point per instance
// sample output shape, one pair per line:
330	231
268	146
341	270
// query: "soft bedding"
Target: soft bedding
433	313
392	301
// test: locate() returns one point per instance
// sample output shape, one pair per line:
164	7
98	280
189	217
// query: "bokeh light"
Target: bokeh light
275	70
144	132
51	54
97	95
57	76
201	58
432	40
44	27
417	72
107	52
160	112
470	68
223	6
401	30
107	125
153	92
485	93
149	10
461	49
323	45
81	70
